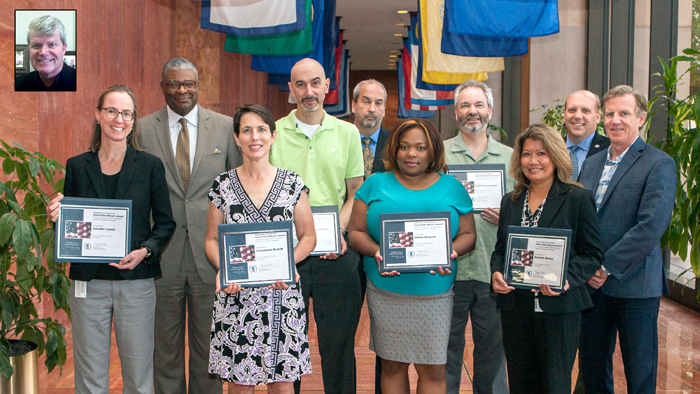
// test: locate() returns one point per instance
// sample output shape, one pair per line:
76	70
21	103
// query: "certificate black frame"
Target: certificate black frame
536	232
460	171
330	209
385	219
76	203
237	229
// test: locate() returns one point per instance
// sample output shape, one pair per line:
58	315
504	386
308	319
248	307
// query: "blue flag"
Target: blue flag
408	113
479	46
341	109
503	18
284	64
253	18
415	45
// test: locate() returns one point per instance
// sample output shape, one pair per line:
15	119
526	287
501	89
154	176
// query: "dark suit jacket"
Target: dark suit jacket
567	207
598	144
633	215
66	82
141	180
378	165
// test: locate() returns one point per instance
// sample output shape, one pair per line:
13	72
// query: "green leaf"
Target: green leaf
5	367
33	166
22	238
7	226
23	277
8	166
9	194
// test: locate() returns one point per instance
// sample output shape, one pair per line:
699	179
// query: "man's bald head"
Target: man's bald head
309	84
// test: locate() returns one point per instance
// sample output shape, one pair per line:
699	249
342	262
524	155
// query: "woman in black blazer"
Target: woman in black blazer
116	168
541	327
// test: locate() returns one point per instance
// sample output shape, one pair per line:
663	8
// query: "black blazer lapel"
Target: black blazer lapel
553	204
126	173
598	144
378	165
94	171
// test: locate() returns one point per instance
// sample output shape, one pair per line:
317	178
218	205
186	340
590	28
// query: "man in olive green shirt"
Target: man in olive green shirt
472	289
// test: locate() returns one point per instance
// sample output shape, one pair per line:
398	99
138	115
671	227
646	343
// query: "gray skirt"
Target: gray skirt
409	328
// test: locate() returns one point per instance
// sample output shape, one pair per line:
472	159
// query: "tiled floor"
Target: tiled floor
679	359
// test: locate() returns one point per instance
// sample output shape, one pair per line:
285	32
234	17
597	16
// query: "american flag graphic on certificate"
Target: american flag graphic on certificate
76	229
401	239
241	253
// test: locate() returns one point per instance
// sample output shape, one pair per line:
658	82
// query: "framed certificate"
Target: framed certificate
537	256
415	242
256	254
327	226
93	230
485	183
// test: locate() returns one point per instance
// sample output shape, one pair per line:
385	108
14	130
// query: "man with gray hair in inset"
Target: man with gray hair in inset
196	145
46	38
473	297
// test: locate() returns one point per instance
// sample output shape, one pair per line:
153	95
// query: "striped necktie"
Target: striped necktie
182	156
367	156
574	162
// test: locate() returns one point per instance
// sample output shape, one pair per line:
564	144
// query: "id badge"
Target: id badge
80	289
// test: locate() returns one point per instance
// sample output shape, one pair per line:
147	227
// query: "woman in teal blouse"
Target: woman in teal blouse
401	306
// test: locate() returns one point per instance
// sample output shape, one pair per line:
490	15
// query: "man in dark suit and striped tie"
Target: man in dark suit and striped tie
581	117
368	105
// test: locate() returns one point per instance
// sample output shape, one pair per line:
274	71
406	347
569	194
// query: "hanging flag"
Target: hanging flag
504	18
332	95
293	43
284	64
421	96
429	30
452	80
252	18
478	46
342	109
402	111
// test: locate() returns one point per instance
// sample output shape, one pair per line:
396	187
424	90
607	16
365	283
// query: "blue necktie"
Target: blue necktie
574	163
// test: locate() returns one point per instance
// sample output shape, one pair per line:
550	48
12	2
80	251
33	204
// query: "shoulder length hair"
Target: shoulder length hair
435	146
556	149
132	139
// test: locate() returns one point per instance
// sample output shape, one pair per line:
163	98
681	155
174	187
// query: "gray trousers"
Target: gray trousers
475	298
189	297
132	304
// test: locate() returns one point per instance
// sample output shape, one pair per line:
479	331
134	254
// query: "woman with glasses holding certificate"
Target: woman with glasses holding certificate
541	326
116	168
258	332
410	312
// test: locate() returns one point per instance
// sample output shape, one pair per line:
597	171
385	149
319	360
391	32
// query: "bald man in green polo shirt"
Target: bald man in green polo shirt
326	153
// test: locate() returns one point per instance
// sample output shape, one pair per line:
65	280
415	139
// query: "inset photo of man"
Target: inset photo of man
44	49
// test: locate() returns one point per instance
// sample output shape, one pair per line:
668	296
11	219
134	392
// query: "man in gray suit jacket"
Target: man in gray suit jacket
635	187
195	145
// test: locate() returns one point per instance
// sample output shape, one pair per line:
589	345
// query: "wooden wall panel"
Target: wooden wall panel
122	42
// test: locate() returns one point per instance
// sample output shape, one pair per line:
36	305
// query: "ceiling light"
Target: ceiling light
402	12
398	35
392	55
400	24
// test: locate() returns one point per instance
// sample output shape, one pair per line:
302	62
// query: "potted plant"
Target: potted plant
27	267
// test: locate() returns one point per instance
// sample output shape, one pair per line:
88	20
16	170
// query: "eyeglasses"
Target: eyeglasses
112	112
175	85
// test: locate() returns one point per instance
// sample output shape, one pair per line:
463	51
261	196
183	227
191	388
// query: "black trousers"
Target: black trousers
334	286
540	347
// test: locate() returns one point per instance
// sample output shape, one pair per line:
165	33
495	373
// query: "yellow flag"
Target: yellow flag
437	66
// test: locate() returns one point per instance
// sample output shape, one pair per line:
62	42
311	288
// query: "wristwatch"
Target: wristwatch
343	231
149	252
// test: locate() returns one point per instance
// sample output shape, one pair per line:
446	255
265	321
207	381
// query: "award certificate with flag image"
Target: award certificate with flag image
92	230
485	183
537	256
256	254
415	242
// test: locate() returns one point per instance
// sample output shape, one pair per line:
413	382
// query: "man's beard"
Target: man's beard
318	104
369	121
463	124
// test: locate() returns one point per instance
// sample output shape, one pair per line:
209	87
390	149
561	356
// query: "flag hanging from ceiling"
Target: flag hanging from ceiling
421	96
332	95
429	30
504	18
293	43
253	18
478	46
402	111
436	77
342	109
284	64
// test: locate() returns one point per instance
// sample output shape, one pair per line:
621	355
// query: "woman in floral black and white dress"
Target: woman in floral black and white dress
258	332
